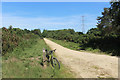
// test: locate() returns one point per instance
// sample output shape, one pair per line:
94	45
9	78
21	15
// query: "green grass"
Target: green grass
27	64
76	46
70	45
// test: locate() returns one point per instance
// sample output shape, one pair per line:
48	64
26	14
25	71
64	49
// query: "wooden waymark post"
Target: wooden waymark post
44	58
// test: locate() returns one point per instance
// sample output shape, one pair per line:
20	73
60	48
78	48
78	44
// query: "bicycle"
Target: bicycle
54	62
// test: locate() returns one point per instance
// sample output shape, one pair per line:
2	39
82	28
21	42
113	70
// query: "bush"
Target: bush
89	49
15	37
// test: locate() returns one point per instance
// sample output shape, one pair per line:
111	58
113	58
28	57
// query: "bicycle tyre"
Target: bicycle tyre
55	63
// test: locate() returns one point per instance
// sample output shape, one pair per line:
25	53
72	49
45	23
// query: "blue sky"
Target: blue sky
52	15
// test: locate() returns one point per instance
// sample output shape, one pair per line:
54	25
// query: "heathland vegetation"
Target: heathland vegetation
22	55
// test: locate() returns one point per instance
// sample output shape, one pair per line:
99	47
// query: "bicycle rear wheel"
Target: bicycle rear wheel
55	63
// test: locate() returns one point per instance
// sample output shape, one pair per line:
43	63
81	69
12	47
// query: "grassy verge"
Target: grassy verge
27	64
70	45
76	46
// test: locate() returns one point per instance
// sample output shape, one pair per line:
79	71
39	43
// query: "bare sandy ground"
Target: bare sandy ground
84	64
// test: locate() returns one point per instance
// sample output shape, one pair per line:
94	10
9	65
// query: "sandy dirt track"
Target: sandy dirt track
84	64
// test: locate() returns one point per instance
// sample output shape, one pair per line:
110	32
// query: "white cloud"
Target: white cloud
51	23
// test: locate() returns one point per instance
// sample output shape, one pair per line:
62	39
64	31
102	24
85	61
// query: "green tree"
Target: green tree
37	31
110	20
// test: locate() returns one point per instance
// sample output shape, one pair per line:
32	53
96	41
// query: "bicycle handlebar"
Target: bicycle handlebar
52	51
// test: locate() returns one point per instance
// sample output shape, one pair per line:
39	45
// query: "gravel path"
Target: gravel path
84	64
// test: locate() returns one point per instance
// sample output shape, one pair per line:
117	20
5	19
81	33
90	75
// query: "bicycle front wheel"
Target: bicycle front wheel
55	63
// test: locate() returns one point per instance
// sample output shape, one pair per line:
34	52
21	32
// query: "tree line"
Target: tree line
106	37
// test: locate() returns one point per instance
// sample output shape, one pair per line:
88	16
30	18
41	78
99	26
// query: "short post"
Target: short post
44	58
